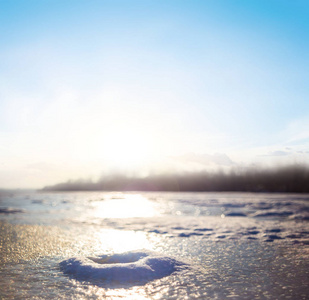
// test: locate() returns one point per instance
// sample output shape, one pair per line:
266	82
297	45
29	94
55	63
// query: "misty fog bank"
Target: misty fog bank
288	179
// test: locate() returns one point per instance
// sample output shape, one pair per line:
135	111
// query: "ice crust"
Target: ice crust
212	216
134	267
10	210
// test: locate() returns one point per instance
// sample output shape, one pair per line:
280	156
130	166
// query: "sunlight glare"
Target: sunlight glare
127	149
118	241
131	206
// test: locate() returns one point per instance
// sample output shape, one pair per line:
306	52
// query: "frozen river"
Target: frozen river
154	246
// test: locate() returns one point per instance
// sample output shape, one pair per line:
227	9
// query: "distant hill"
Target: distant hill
287	179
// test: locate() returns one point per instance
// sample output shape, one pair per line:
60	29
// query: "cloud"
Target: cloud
288	152
297	131
217	159
278	153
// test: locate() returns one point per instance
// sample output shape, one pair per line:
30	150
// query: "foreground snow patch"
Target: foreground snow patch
130	267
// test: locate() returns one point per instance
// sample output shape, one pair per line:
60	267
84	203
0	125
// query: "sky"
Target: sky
93	87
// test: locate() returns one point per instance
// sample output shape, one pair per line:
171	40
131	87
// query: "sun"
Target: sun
122	146
128	148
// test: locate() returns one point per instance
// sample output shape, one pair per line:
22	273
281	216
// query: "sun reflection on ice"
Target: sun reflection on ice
118	241
121	206
134	293
129	206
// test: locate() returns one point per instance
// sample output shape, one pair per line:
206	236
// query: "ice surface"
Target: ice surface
247	246
134	267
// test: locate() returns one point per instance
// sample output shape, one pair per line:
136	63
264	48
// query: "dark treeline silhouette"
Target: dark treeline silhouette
287	179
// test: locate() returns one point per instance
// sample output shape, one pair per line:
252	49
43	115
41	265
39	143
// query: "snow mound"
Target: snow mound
134	267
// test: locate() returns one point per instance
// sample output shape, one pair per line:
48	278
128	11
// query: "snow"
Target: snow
138	267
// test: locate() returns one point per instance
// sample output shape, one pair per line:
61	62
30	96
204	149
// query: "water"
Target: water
189	245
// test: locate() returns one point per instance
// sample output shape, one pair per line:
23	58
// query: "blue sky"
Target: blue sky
93	86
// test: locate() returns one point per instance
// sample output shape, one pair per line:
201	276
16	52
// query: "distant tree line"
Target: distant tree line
287	179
